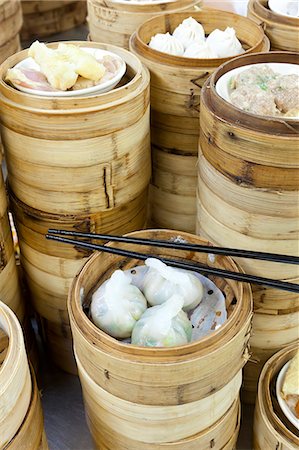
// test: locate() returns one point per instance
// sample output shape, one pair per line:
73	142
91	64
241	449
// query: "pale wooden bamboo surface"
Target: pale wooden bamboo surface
65	424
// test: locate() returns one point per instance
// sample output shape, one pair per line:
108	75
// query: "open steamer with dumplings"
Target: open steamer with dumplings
248	198
44	18
281	30
113	21
21	417
55	184
10	26
271	428
155	398
176	84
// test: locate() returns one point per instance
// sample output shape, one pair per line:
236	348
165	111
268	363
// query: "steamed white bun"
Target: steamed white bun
167	44
201	50
189	31
225	43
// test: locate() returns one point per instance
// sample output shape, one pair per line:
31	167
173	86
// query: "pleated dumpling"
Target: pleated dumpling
189	31
161	282
164	325
200	50
225	43
117	305
167	43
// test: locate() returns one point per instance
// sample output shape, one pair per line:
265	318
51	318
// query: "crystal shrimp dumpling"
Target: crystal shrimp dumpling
161	282
117	304
163	325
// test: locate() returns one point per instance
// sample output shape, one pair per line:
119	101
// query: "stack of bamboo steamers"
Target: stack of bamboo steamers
10	26
80	163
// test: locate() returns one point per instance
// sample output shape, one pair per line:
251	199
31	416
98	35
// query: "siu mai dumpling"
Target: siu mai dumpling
60	73
84	64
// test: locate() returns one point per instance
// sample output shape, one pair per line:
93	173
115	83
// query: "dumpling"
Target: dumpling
200	50
59	72
189	31
285	89
290	386
161	282
84	64
254	100
225	43
117	305
167	44
164	325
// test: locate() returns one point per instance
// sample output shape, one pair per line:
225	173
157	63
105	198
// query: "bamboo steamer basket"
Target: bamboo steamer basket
222	435
15	380
59	344
10	25
272	163
10	292
176	84
281	30
31	435
140	366
271	428
44	18
133	394
54	130
248	198
113	22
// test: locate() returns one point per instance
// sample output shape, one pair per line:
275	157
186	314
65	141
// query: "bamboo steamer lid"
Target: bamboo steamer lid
113	22
143	366
53	130
44	18
271	428
281	30
15	380
31	434
176	84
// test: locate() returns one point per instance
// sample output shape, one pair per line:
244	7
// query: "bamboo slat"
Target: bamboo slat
158	379
10	25
140	426
281	30
44	18
113	22
15	380
176	84
271	429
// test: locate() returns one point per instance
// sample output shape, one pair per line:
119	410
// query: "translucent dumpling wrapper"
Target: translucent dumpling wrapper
59	72
163	325
117	305
189	31
84	64
167	44
200	50
161	282
225	43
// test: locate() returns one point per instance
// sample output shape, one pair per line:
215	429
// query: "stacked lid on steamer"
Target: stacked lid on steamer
156	398
282	30
77	163
10	26
113	21
248	198
21	418
176	83
43	18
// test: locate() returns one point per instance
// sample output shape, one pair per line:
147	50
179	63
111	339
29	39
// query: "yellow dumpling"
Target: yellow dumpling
84	64
291	382
58	71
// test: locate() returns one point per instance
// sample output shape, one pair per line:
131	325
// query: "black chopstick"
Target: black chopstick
273	257
182	264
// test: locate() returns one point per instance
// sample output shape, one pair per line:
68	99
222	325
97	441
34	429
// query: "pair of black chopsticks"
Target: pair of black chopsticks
56	235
